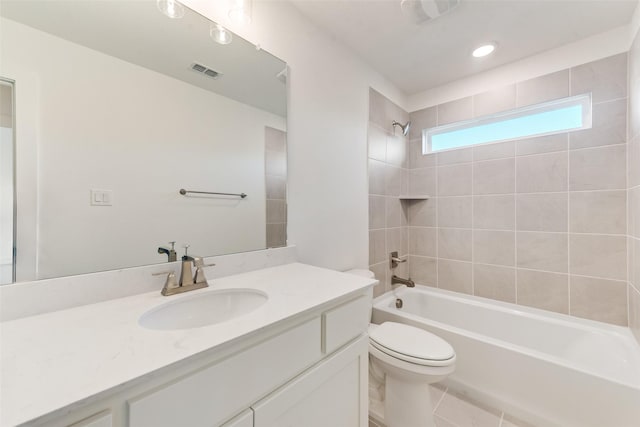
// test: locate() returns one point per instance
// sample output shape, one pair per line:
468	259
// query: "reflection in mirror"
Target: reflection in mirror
120	107
6	182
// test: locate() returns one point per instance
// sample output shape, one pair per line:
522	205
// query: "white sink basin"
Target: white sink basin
202	309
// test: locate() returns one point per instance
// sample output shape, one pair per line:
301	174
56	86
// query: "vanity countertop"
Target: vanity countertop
53	360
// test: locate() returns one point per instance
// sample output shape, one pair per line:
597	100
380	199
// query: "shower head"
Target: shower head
405	127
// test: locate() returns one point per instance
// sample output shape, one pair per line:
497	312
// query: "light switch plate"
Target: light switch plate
101	197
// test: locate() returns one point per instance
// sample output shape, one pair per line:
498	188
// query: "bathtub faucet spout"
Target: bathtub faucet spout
395	280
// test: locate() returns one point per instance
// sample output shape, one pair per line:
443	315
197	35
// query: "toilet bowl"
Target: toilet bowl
405	360
410	359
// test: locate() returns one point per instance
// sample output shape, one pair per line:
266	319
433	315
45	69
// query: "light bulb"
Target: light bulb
171	8
220	34
484	50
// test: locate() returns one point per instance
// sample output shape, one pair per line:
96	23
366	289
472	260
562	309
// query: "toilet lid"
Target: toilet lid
405	340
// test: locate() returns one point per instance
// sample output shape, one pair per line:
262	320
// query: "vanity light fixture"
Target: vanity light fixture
171	8
219	34
240	11
484	50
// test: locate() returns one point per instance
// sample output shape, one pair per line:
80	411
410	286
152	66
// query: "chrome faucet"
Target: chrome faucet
394	260
188	281
171	253
395	280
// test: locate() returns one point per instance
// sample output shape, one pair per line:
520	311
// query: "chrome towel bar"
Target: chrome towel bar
185	192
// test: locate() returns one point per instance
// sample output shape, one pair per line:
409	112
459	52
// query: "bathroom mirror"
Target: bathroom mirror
117	108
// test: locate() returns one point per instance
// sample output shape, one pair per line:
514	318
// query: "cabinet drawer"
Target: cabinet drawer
214	394
342	324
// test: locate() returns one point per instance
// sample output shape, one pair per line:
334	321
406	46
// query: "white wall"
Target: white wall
327	132
144	151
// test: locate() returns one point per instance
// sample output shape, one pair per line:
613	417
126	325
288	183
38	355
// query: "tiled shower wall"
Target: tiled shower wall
388	176
276	186
634	187
540	222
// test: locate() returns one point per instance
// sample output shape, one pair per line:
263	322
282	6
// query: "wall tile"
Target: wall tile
606	79
544	88
542	212
275	139
454	243
377	212
542	251
397	151
634	212
394	180
494	247
542	144
494	101
423	181
494	177
276	211
494	212
380	271
497	150
276	235
598	212
417	159
599	256
422	212
548	291
396	215
634	161
599	299
424	270
275	163
397	240
422	119
455	111
455	276
494	282
423	241
609	126
598	168
377	140
634	88
542	173
377	177
454	180
377	246
634	311
276	187
455	212
459	155
377	108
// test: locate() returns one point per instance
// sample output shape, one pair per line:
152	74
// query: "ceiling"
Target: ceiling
419	57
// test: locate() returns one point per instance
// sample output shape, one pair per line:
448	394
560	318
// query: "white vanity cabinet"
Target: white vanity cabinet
307	371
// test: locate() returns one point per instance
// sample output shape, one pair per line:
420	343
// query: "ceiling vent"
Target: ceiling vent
419	11
205	70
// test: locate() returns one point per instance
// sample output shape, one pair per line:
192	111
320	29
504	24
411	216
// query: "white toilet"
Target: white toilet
407	359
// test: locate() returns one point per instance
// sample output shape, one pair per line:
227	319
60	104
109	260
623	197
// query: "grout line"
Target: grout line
437	404
602	190
569	223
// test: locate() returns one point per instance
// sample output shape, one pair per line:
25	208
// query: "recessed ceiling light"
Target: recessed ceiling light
171	8
484	50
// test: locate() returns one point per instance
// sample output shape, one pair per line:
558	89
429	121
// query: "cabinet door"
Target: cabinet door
243	420
333	393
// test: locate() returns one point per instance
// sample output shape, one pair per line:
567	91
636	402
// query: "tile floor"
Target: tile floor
455	410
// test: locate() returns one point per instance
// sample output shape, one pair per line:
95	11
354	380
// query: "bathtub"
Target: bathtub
548	369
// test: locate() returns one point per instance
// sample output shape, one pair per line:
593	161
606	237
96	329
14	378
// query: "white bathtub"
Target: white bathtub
546	368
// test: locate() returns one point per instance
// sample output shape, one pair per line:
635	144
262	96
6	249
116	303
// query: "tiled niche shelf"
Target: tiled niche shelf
411	197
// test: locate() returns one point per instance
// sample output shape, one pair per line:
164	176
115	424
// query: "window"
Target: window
542	119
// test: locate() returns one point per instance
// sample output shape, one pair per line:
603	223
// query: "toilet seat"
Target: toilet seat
411	344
